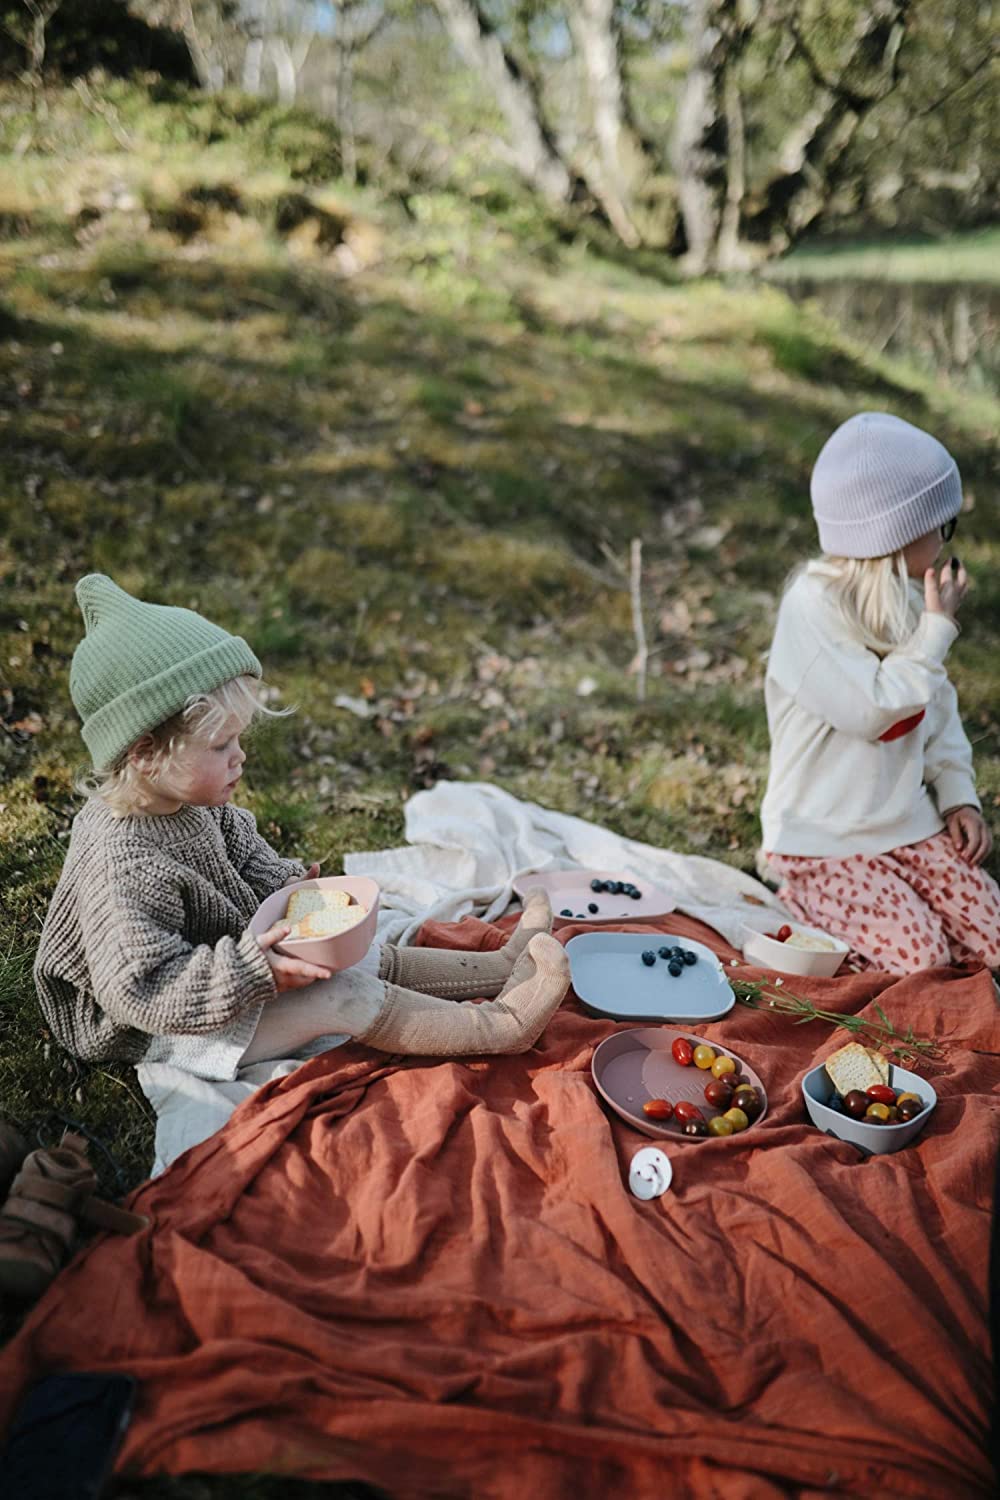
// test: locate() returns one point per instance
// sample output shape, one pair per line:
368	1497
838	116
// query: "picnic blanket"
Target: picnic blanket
431	1276
467	842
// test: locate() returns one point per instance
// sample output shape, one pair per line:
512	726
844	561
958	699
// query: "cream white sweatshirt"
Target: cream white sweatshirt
867	752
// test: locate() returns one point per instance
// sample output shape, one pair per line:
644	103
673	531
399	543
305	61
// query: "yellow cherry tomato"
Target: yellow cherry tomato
704	1056
915	1097
721	1126
723	1065
877	1112
737	1118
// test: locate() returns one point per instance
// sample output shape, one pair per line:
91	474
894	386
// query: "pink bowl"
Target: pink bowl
342	949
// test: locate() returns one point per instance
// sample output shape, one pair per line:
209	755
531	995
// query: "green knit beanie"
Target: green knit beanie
139	663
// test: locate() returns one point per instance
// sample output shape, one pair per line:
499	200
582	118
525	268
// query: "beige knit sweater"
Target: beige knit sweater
146	935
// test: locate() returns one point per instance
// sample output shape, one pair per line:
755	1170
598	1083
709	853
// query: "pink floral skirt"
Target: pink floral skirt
914	908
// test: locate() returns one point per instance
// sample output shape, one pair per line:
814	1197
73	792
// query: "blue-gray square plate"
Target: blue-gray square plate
610	978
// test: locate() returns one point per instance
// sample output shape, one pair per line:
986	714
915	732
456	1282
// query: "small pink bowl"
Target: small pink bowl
342	949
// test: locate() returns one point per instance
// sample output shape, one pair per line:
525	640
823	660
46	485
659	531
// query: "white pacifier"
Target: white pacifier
650	1173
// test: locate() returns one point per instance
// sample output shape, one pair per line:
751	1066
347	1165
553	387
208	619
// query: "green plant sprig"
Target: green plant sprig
904	1046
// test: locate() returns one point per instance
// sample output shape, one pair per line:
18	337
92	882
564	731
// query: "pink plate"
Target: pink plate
633	1066
569	890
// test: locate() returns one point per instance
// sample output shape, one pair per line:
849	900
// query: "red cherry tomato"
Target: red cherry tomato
881	1093
683	1052
658	1109
783	933
684	1110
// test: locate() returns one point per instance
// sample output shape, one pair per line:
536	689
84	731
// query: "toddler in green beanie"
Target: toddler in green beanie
146	953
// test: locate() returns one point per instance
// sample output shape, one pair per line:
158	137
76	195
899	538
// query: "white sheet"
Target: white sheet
466	843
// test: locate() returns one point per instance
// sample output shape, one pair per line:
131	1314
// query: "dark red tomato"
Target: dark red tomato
694	1127
683	1052
881	1093
856	1103
718	1093
684	1110
783	933
658	1109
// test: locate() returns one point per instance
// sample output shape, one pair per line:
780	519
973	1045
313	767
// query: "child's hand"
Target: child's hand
289	973
969	833
310	874
943	595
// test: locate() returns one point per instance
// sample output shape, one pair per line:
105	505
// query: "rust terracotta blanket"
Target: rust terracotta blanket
433	1277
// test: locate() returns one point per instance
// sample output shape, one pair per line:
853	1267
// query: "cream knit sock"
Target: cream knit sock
466	976
427	1026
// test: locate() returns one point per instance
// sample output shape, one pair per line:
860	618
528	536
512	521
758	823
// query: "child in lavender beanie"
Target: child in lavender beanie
871	817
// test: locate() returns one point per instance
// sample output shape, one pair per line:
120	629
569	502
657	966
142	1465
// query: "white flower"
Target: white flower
779	981
734	963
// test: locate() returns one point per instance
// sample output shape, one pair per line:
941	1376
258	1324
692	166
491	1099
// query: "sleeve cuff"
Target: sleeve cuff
954	789
934	636
259	971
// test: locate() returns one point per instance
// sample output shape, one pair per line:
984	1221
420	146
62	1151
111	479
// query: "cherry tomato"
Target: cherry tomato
704	1056
856	1103
783	933
723	1064
682	1051
684	1110
907	1097
909	1109
881	1093
736	1118
747	1099
877	1114
658	1109
718	1093
721	1126
694	1127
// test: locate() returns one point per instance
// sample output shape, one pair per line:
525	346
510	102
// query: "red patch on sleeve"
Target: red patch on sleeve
904	726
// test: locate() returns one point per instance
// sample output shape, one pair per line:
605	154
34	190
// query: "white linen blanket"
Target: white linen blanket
466	844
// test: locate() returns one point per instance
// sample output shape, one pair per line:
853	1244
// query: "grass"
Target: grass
411	479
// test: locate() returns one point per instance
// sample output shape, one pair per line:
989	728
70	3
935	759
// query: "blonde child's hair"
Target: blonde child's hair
874	596
203	715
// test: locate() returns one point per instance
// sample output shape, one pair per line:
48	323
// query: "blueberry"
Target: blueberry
636	895
615	887
663	952
597	885
675	969
592	906
689	958
649	958
580	917
565	912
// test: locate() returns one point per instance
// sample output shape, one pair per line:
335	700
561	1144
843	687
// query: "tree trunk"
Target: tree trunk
535	153
597	38
701	143
813	156
253	59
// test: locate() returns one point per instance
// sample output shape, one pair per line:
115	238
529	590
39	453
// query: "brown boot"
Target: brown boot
13	1150
51	1195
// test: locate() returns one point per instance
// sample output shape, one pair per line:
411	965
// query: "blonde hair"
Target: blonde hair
874	596
122	786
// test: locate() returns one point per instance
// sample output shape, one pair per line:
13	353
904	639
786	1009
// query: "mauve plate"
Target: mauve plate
633	1066
611	979
571	889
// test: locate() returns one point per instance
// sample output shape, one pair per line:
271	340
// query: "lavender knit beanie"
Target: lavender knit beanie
880	483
